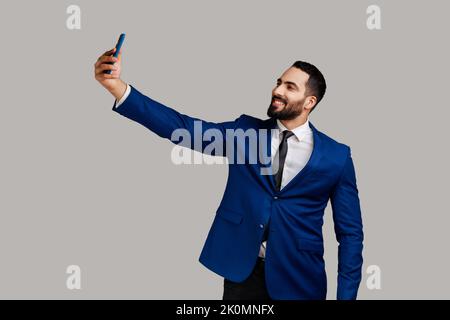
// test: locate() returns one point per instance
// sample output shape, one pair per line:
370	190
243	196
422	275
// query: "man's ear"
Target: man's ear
310	102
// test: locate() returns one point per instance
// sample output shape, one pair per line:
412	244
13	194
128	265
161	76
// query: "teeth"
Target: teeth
278	102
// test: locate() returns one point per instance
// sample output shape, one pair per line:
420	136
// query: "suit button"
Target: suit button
261	226
275	197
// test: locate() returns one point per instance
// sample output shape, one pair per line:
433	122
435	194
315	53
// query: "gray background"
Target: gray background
82	185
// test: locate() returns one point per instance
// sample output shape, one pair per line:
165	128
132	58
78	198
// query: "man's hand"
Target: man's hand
111	82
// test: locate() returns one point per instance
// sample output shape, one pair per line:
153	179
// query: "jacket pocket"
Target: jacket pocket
229	215
310	245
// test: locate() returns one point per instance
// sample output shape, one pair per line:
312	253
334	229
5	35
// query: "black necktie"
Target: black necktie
282	152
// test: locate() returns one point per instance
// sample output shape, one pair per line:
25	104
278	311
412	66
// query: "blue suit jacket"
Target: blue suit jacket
294	263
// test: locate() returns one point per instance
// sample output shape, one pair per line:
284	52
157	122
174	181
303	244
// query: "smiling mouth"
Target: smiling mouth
278	103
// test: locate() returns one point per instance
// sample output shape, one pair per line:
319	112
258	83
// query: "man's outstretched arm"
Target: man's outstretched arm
155	116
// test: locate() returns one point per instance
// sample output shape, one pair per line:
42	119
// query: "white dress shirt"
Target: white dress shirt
300	147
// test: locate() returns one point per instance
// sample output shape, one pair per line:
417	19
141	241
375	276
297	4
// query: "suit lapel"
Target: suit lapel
312	163
269	124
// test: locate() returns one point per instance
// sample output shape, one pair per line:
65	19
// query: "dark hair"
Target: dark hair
316	85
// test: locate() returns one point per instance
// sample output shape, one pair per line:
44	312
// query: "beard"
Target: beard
288	112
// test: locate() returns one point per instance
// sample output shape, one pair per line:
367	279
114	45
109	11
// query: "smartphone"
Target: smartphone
116	54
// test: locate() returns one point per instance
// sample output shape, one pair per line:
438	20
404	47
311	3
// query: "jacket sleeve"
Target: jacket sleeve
179	128
349	231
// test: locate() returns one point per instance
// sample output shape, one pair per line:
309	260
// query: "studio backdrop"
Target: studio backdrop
93	205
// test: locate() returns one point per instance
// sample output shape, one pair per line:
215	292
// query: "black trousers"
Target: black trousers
253	288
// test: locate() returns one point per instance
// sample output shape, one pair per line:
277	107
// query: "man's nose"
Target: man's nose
279	92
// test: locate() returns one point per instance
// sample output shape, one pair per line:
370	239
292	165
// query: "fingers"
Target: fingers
103	76
108	62
99	73
105	59
104	67
109	52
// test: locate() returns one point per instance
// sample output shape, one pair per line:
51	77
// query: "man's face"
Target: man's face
288	96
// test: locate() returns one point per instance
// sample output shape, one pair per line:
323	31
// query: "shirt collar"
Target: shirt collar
298	131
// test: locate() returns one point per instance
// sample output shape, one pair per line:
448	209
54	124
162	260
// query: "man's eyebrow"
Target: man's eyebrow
288	82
